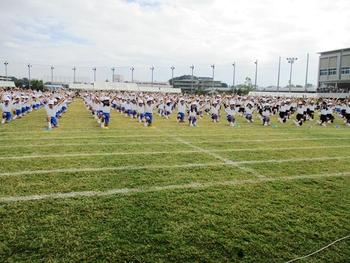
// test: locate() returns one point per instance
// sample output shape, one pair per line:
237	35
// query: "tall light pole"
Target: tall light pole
234	75
172	75
52	68
74	69
256	74
291	62
132	74
192	69
152	71
113	70
6	63
29	66
307	71
279	74
213	75
94	70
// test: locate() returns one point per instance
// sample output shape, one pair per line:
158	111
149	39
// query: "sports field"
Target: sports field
170	193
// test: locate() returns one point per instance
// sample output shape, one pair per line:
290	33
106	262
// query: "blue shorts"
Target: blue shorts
18	112
181	116
7	116
53	121
149	117
214	117
230	118
141	116
106	117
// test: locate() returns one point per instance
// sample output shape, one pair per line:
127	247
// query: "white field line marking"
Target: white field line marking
190	186
135	136
168	142
176	166
319	250
207	151
213	154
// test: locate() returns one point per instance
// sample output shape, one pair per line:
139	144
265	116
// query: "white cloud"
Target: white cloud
107	33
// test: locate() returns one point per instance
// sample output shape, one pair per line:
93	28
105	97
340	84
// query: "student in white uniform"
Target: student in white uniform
214	110
323	116
192	115
51	110
231	112
149	106
181	110
283	112
140	111
248	112
6	108
266	113
300	114
106	112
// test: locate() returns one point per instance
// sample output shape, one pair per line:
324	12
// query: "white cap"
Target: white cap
51	102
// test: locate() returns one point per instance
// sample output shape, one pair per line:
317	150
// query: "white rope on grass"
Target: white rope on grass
319	250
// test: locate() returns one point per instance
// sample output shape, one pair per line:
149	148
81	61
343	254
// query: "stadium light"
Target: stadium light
113	70
256	74
234	74
172	75
291	62
213	75
152	70
279	74
29	66
132	74
6	63
192	69
52	68
74	69
94	70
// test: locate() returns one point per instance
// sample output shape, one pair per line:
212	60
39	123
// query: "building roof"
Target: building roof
332	51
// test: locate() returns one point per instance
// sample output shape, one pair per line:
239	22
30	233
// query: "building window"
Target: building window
332	71
323	72
345	71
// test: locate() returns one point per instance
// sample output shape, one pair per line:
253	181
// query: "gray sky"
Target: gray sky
122	33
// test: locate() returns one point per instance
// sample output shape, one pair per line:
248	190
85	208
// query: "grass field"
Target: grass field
170	193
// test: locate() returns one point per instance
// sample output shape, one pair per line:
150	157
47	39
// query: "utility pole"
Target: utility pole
132	74
52	68
29	66
234	75
94	70
152	72
113	69
6	63
213	75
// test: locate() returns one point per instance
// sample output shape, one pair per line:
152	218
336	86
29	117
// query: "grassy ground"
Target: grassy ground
206	194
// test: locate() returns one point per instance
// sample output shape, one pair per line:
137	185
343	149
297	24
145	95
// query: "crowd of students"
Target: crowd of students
17	103
143	106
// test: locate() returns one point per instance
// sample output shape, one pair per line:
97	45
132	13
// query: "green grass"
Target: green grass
261	221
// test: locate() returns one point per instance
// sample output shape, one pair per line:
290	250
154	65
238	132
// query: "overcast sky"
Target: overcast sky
141	33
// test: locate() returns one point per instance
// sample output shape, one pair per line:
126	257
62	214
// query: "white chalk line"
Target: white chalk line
167	142
197	150
215	155
104	136
157	167
319	250
189	186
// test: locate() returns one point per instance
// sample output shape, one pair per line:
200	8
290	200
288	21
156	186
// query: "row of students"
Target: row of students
142	106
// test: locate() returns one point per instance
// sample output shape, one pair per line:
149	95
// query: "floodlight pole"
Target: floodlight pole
152	71
94	70
307	70
234	74
213	75
29	66
172	75
74	69
6	63
192	69
52	68
113	70
256	74
279	74
291	62
132	74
